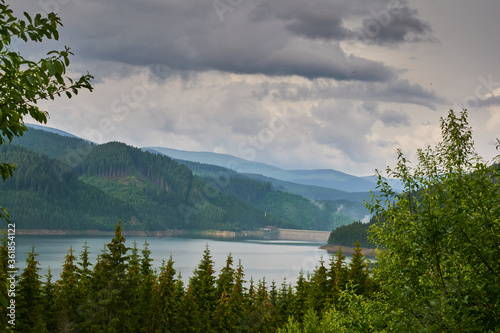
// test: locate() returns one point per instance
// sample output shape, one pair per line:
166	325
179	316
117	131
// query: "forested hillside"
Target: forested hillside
265	195
348	235
115	181
46	194
88	186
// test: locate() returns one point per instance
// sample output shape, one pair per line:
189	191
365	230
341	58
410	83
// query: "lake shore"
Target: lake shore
265	233
347	249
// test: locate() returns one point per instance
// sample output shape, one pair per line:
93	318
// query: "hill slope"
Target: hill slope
159	193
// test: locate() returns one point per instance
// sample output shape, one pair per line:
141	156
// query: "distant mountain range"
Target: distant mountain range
325	178
53	130
65	182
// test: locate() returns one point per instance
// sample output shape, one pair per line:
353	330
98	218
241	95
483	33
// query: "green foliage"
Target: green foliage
440	264
45	194
24	82
202	285
353	313
165	299
123	294
301	212
29	298
348	235
141	188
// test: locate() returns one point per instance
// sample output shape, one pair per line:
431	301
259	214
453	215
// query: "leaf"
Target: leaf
52	68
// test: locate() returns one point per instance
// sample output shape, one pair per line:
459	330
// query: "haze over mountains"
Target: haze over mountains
65	182
324	178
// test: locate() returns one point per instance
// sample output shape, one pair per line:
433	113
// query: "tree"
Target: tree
202	286
68	297
165	302
29	312
109	306
319	290
439	267
24	82
358	271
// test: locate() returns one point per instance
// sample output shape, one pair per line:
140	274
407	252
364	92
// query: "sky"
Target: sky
316	84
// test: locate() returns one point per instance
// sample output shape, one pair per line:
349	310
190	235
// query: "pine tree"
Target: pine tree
319	291
230	309
189	319
202	285
68	297
298	304
358	271
148	283
49	300
282	305
340	270
84	275
164	300
134	291
29	310
265	310
226	278
83	271
109	307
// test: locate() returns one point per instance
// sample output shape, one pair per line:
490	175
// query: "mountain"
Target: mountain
63	182
46	194
52	130
322	177
255	189
394	183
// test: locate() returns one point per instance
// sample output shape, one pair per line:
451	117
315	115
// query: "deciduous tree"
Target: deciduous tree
440	238
24	82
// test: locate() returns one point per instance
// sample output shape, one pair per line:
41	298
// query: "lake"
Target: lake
272	259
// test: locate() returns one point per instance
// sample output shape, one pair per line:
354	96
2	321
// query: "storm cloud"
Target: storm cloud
275	38
357	78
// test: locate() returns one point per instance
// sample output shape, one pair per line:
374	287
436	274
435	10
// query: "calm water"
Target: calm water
273	260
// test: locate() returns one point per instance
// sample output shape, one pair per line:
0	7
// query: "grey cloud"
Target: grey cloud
396	90
390	28
484	102
275	38
383	22
394	118
335	122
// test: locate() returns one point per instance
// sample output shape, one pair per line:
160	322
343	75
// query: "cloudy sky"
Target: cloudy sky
316	84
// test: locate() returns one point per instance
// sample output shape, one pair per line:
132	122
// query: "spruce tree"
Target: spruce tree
298	304
230	311
68	297
134	290
29	301
84	274
190	318
202	285
226	278
49	300
109	308
319	291
340	272
164	300
148	282
358	271
283	301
